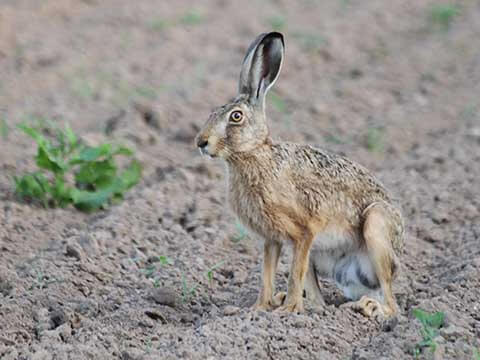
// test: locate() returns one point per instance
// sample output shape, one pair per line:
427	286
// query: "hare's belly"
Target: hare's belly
329	247
337	255
354	274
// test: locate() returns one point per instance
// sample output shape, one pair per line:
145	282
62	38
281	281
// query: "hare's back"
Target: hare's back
328	178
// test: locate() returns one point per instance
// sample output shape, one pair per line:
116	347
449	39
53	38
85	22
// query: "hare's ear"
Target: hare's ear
261	66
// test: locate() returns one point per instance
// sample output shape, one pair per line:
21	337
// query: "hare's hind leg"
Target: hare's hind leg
367	275
312	288
377	232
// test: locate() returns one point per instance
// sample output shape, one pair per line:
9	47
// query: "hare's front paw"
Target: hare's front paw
291	307
271	304
279	299
262	306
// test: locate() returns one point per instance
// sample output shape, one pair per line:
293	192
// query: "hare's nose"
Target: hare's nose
201	143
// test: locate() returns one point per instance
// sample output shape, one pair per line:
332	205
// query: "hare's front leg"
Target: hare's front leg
271	254
294	300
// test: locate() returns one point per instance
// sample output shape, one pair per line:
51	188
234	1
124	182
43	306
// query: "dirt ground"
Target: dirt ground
384	82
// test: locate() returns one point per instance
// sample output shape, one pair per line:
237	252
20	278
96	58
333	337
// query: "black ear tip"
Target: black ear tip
276	35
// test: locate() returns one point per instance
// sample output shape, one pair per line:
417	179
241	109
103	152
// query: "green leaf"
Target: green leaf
61	192
420	315
435	320
131	175
241	232
122	150
34	186
34	134
70	135
165	260
375	139
93	153
91	200
4	129
149	270
192	17
209	273
442	15
278	103
46	159
99	174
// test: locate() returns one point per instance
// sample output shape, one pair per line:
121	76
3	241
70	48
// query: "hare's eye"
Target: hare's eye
236	116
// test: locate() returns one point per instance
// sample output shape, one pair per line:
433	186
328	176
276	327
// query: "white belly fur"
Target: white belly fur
336	254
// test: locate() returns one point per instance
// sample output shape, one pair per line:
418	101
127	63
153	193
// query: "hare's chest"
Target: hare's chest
257	207
248	204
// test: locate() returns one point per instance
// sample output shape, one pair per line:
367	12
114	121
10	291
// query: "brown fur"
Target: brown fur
291	193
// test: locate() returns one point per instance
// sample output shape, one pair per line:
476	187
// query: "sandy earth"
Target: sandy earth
378	81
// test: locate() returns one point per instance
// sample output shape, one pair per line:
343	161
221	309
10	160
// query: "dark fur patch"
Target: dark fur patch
364	280
394	267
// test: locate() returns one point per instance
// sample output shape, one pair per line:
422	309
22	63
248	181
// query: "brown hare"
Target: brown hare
338	217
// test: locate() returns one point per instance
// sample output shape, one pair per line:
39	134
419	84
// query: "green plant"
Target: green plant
151	268
192	17
209	273
71	172
277	22
277	102
4	129
334	139
165	260
41	281
158	24
188	291
145	92
442	15
241	232
431	322
310	41
374	139
83	87
469	112
476	354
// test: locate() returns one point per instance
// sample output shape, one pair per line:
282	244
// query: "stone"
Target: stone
452	332
74	251
230	310
164	296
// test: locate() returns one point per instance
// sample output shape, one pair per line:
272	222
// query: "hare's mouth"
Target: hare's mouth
204	152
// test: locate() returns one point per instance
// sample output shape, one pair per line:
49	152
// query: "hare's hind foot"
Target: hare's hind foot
368	307
374	309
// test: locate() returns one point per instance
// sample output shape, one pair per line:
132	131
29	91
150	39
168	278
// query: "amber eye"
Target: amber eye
236	116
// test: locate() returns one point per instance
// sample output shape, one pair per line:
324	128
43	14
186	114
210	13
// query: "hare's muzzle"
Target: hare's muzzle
202	145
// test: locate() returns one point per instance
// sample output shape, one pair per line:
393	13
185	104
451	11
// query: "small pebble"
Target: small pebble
230	310
164	296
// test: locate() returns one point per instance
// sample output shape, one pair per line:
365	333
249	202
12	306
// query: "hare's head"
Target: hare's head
240	125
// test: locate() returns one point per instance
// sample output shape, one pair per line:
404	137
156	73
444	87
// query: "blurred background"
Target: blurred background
378	75
393	84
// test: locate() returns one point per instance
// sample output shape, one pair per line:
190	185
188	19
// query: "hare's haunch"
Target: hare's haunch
338	217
